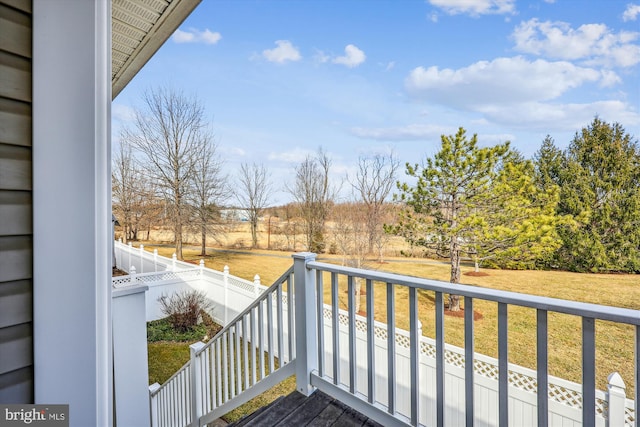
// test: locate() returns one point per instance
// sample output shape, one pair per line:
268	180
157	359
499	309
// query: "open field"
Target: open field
614	342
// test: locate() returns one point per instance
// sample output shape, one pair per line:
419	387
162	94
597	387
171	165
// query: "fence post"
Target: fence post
305	317
616	397
225	275
256	285
132	273
174	258
153	404
196	383
155	260
141	259
201	267
129	250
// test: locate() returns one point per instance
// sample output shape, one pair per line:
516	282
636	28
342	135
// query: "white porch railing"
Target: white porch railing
353	368
394	376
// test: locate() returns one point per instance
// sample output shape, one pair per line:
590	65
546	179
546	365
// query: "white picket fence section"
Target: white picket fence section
232	295
164	276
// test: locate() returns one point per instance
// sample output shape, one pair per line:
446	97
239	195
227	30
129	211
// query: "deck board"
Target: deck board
316	410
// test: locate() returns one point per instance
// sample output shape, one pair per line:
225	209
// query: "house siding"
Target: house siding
16	229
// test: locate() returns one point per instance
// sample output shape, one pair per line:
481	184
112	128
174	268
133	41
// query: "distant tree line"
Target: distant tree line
576	209
598	179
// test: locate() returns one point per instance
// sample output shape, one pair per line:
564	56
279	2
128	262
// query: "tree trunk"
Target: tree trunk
254	233
358	292
454	300
203	251
178	238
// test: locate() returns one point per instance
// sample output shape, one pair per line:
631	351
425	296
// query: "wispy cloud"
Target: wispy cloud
412	132
475	7
352	57
321	57
283	52
196	36
123	113
631	12
295	155
593	44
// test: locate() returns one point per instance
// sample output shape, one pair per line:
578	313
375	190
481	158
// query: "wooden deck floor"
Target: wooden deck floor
298	410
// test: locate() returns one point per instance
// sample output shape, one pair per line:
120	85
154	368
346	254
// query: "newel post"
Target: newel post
305	316
153	404
616	397
174	258
196	383
256	285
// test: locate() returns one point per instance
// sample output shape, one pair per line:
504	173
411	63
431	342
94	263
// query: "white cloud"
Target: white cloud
284	52
550	1
196	36
210	37
352	58
548	117
519	93
631	12
390	65
123	113
503	81
321	57
411	132
297	155
594	44
475	7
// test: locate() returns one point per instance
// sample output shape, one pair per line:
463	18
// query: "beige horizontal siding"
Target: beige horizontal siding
16	206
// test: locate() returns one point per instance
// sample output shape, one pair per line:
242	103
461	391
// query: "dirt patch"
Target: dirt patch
476	273
117	272
476	314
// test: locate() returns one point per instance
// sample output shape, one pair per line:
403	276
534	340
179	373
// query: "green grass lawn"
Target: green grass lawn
614	343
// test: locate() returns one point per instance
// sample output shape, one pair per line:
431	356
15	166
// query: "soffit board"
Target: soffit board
138	29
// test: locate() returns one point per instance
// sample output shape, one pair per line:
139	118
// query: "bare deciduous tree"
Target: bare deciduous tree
134	201
351	239
123	176
375	177
171	133
253	194
314	196
210	190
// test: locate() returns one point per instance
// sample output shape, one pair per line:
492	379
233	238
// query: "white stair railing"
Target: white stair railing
251	354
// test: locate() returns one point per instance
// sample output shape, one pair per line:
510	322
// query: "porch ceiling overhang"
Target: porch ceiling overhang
139	28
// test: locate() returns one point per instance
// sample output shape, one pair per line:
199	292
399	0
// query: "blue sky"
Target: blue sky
280	78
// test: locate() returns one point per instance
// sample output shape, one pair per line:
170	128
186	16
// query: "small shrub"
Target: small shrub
163	330
183	308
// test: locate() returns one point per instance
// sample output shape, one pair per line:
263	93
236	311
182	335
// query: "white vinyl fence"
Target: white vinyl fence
231	295
228	294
